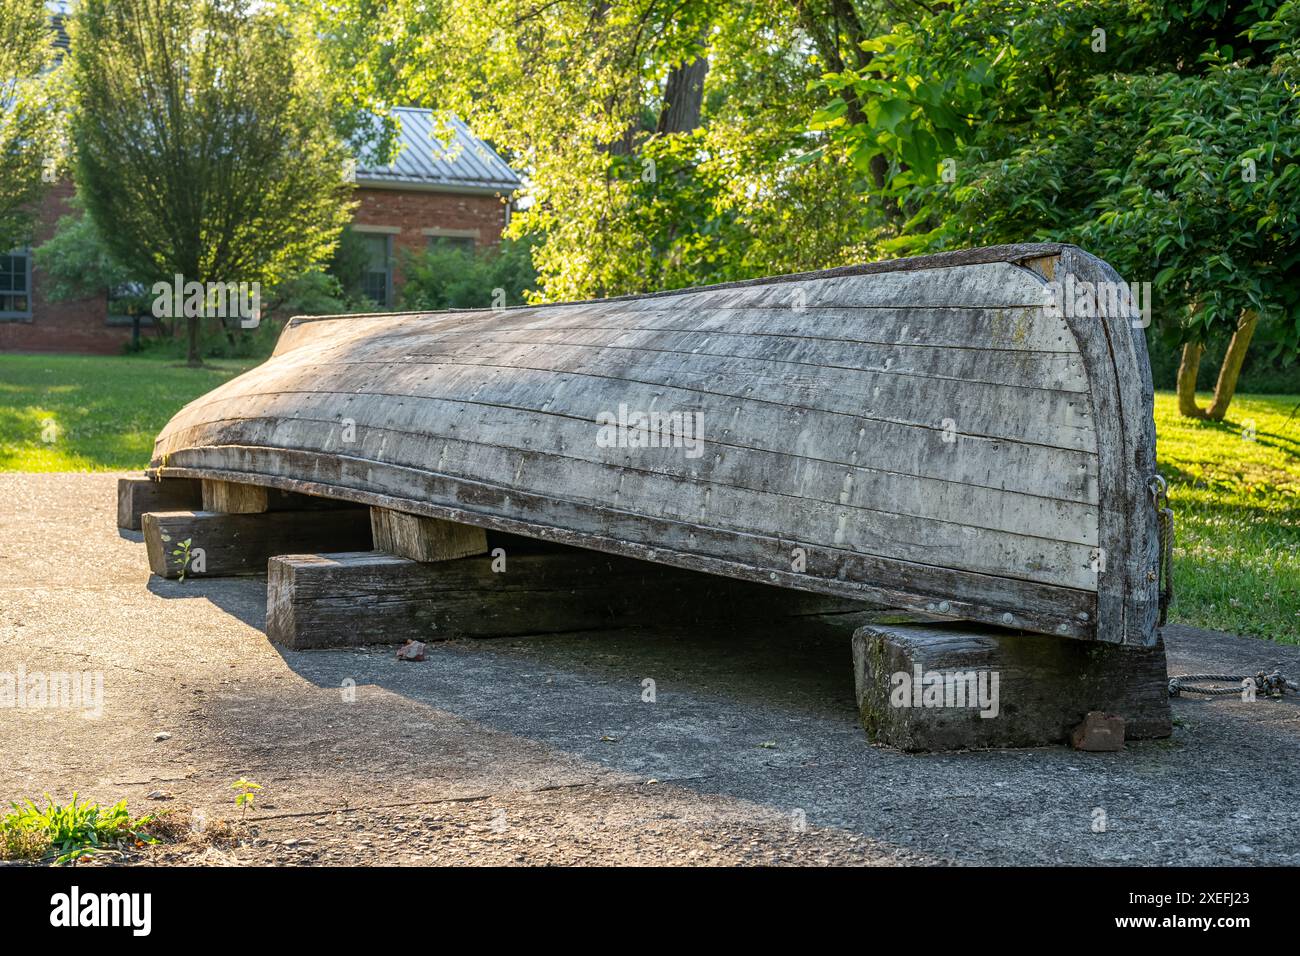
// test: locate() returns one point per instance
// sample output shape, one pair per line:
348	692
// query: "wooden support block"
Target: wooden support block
929	687
228	544
424	539
137	495
340	600
230	497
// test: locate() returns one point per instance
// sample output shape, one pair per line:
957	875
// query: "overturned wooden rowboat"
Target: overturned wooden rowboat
931	433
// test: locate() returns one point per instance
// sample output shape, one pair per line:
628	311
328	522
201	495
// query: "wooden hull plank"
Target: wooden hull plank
565	420
1042	370
986	411
931	589
1063	560
855	487
1021	329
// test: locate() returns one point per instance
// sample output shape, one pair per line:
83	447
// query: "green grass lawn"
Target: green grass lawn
1235	492
89	413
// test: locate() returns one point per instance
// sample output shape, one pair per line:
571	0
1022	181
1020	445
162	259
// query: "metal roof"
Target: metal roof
423	161
59	24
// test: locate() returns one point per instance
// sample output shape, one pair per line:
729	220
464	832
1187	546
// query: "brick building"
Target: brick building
458	193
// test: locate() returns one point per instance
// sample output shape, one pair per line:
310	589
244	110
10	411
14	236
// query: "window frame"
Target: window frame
387	237
117	320
465	244
10	315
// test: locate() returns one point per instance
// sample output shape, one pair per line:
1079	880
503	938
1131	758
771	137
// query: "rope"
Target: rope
1165	532
1166	518
1270	685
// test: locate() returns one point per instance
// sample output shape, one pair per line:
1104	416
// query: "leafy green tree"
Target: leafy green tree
204	141
704	141
28	121
76	262
664	144
1162	136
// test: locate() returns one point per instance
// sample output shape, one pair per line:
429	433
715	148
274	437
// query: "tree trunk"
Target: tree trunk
1226	386
1229	371
683	97
192	358
837	30
1187	368
683	102
624	145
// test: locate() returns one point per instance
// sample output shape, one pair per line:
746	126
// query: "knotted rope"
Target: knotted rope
1270	685
1165	531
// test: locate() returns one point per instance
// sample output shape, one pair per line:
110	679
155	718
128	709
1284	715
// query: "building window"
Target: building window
16	285
463	244
124	298
377	280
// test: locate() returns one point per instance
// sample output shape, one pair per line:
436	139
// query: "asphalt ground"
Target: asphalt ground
543	750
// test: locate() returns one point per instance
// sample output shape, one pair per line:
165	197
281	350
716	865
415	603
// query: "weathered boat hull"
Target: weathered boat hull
925	433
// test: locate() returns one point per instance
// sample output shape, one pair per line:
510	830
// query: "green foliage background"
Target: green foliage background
203	139
28	121
826	128
445	277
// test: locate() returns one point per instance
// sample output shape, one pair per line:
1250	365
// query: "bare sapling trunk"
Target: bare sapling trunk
192	358
1187	368
1230	371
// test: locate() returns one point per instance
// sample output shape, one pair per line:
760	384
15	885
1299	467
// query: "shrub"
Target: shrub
445	277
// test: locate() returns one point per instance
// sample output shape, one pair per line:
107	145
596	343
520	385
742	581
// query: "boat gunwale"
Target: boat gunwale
1075	618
